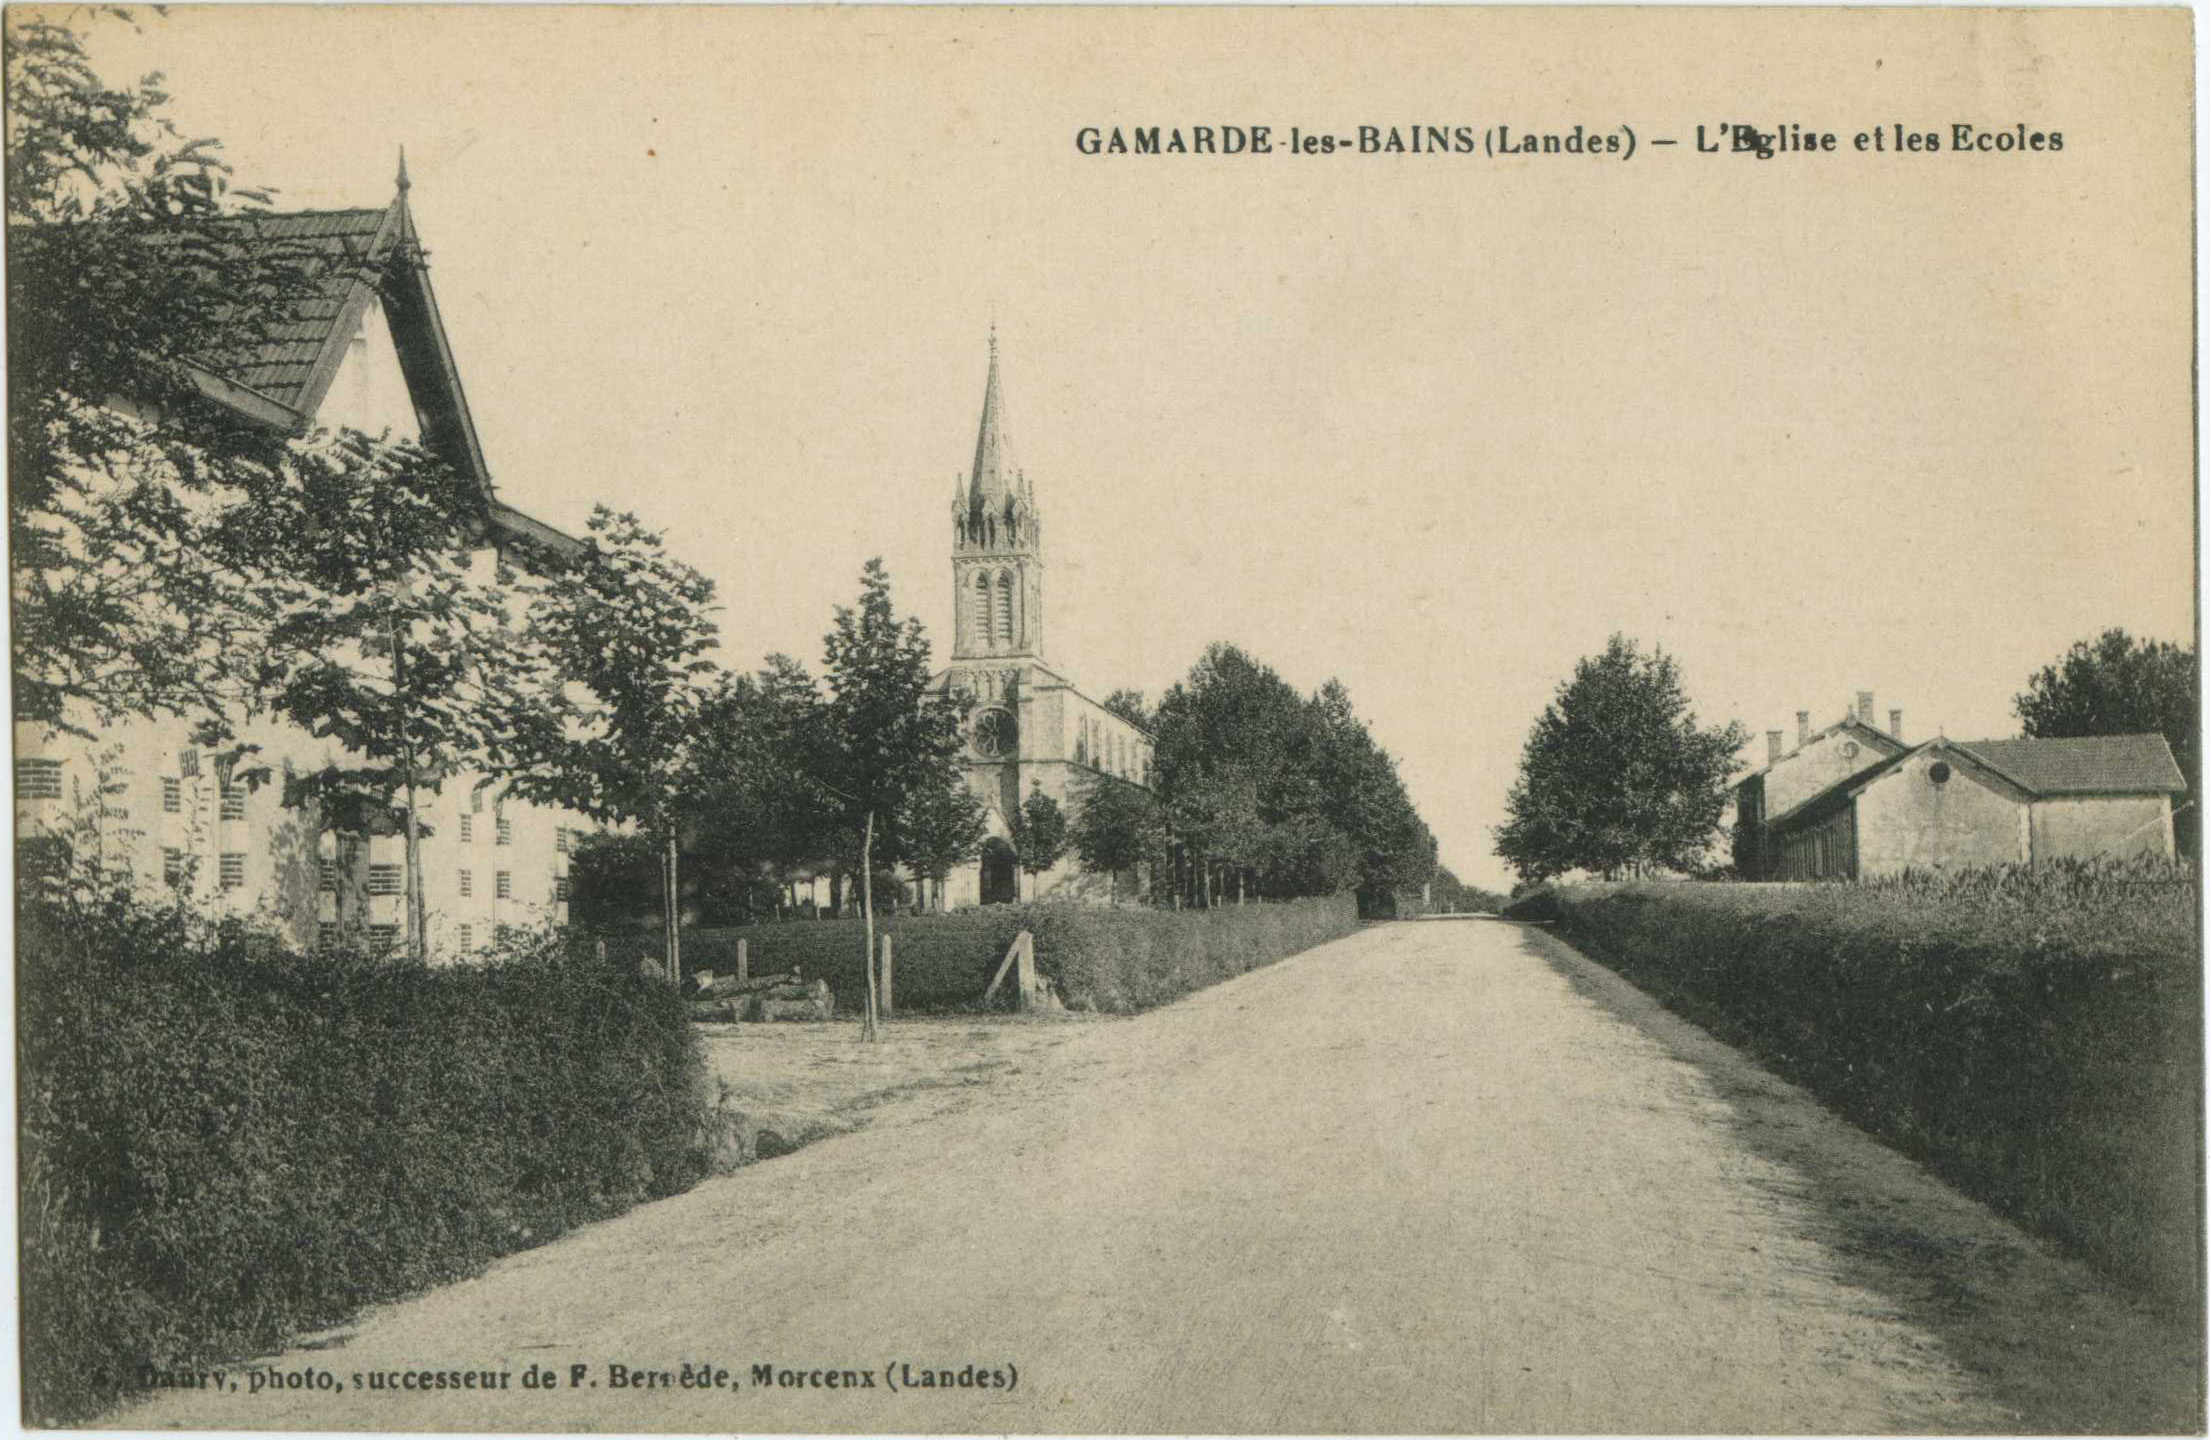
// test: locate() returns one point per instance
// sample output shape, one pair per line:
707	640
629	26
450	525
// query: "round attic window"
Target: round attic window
1938	772
1849	749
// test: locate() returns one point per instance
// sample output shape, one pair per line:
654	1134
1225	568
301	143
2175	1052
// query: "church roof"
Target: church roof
993	476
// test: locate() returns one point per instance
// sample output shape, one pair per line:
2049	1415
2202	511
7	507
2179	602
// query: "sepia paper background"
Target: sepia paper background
1433	424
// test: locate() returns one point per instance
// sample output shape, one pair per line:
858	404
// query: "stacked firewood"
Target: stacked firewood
763	997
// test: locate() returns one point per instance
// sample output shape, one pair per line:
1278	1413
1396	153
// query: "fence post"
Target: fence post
1026	975
1013	953
744	965
887	1006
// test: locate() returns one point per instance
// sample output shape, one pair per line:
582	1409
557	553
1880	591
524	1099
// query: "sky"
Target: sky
1435	425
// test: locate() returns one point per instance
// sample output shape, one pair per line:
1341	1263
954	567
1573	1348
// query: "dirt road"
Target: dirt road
1437	1177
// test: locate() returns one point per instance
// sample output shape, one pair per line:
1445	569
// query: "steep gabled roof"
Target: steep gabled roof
2090	765
281	375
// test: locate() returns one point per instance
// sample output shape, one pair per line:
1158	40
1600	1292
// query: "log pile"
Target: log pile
763	997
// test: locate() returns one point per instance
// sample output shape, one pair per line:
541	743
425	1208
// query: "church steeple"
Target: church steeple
997	554
992	459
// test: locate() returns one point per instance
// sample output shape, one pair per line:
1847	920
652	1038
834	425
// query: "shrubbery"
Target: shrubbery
1100	959
2031	1035
224	1144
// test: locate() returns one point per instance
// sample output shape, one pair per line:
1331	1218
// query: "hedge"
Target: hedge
1098	958
2033	1036
224	1145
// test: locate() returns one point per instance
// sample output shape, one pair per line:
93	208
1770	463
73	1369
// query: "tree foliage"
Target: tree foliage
1617	775
1039	833
2118	685
1116	826
1269	790
125	264
382	636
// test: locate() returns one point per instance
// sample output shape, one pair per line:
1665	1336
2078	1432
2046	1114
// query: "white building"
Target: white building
370	352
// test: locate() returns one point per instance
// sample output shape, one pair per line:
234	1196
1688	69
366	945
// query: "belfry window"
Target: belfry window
1005	609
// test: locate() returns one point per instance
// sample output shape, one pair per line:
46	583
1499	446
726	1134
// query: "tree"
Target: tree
125	263
1130	706
942	826
1617	775
886	736
629	627
1039	835
2117	685
381	637
1117	826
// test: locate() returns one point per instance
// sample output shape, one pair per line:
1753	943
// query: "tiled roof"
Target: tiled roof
339	244
2092	765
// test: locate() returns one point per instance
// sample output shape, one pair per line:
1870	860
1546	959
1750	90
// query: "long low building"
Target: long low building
1955	804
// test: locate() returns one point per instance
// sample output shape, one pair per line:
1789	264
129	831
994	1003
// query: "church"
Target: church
1030	729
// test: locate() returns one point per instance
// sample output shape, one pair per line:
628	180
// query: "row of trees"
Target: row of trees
1256	791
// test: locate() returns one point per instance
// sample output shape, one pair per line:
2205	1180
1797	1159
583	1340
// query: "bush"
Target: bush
2031	1035
1099	959
224	1144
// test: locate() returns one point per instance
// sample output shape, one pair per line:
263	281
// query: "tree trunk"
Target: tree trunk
867	908
675	911
417	916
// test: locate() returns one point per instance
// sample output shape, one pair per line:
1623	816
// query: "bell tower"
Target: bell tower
997	546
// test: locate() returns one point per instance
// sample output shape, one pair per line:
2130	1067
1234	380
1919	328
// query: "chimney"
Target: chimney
1803	728
1864	706
1772	745
1895	723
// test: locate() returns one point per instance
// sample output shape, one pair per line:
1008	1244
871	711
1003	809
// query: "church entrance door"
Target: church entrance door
1000	880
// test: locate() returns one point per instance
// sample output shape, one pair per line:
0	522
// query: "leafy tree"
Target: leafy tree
125	264
941	827
1617	775
2118	685
1130	706
1039	835
1117	826
887	737
382	638
628	626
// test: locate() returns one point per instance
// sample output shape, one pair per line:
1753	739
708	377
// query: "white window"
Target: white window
172	795
506	885
506	831
231	870
326	934
383	936
234	801
383	879
467	937
172	865
329	865
467	883
560	839
38	779
467	827
560	887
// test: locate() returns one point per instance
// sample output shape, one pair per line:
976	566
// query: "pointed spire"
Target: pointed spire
404	183
987	484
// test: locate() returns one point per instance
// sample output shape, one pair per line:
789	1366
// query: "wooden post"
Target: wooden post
744	964
888	1004
1020	941
1025	976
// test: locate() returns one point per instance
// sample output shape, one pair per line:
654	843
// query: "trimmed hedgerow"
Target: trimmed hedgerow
224	1144
1098	958
1123	960
2031	1035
